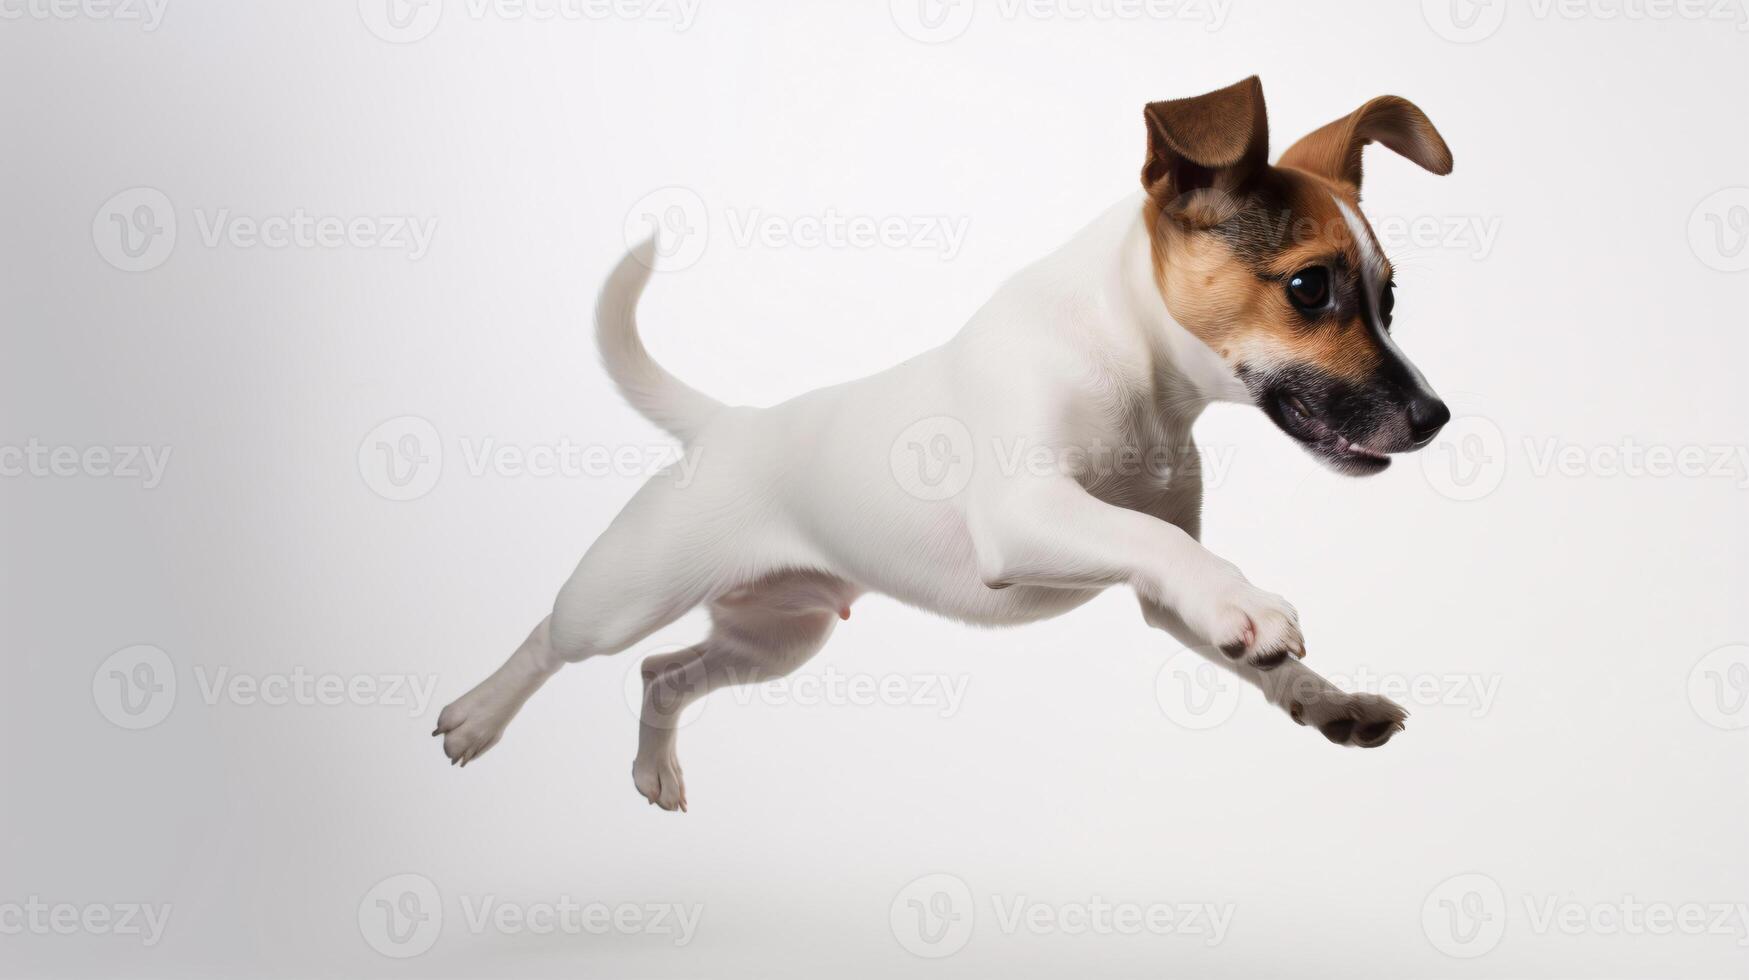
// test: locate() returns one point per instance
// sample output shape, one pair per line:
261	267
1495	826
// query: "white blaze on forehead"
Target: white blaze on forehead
1372	273
1372	263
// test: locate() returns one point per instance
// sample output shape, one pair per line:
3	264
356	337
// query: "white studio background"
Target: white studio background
213	669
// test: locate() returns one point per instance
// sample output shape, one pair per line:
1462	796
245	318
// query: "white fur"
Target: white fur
797	509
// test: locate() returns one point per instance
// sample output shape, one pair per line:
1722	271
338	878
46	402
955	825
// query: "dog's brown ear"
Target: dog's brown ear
1333	151
1214	140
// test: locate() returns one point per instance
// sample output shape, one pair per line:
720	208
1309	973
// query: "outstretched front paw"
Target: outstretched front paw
1365	720
1258	628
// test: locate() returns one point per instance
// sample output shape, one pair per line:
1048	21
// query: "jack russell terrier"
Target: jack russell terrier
1223	279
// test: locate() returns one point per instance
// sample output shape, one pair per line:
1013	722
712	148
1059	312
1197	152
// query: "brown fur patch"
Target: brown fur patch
1222	265
1334	150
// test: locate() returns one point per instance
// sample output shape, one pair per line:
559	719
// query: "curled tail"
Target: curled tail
657	395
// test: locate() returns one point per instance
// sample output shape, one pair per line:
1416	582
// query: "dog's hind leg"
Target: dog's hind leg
474	722
647	569
758	633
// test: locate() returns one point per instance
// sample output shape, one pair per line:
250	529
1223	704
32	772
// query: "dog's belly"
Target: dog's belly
983	606
932	566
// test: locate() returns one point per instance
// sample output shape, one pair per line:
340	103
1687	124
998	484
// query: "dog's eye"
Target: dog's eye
1387	300
1309	289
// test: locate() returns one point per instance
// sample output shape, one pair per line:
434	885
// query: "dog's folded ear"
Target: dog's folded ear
1333	150
1206	141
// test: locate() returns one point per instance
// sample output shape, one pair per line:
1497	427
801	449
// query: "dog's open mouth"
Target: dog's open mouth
1321	438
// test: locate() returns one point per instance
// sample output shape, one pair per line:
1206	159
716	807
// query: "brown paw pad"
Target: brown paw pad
1338	731
1377	733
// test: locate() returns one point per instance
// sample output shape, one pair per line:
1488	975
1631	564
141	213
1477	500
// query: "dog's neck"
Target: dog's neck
1186	369
1153	351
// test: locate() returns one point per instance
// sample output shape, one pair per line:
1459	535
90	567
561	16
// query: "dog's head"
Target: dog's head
1275	269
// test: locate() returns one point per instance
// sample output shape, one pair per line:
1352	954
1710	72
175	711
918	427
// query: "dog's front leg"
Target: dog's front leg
1365	720
1051	532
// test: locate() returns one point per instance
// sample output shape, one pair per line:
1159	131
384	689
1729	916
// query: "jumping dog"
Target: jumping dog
1223	278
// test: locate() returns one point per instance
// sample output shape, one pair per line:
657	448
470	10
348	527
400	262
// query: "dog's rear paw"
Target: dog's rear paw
1364	720
660	782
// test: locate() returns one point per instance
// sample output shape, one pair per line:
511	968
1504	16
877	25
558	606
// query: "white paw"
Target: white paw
473	723
1260	628
1364	720
660	782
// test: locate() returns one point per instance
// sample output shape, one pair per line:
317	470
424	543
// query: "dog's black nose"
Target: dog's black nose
1427	415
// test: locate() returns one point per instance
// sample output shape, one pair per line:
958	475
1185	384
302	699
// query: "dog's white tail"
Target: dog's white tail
657	395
